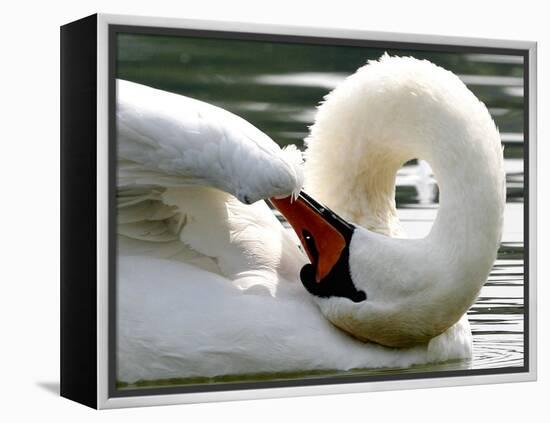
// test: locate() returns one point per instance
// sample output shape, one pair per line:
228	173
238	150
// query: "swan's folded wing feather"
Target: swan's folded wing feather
148	209
142	215
147	226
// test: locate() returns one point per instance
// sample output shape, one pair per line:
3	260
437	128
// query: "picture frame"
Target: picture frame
89	69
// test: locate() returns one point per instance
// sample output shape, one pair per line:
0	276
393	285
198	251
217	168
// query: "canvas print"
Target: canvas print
291	211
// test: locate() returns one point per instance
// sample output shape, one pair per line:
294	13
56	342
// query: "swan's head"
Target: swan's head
339	274
326	239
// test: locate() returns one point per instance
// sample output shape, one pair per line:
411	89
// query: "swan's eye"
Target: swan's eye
310	247
326	238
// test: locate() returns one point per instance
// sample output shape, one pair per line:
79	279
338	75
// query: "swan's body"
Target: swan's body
209	286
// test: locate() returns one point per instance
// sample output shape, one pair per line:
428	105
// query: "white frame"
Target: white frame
103	400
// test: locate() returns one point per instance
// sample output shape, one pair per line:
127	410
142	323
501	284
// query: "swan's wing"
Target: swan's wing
147	226
176	156
165	139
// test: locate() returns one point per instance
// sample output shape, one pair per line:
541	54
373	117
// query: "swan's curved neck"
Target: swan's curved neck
362	137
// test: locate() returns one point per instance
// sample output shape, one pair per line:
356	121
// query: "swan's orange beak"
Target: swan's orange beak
323	234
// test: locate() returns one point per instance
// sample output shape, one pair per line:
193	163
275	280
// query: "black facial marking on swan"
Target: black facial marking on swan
337	283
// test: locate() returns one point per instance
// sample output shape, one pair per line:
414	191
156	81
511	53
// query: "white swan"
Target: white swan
209	286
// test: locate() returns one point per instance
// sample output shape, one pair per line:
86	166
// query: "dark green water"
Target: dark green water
277	86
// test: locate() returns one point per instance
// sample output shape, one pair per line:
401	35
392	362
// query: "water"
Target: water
277	86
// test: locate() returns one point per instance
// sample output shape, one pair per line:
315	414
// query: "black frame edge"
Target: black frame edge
78	296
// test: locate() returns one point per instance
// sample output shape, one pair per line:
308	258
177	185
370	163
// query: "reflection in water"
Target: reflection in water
277	87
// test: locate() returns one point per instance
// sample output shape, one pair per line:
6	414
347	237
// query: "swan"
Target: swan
209	283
